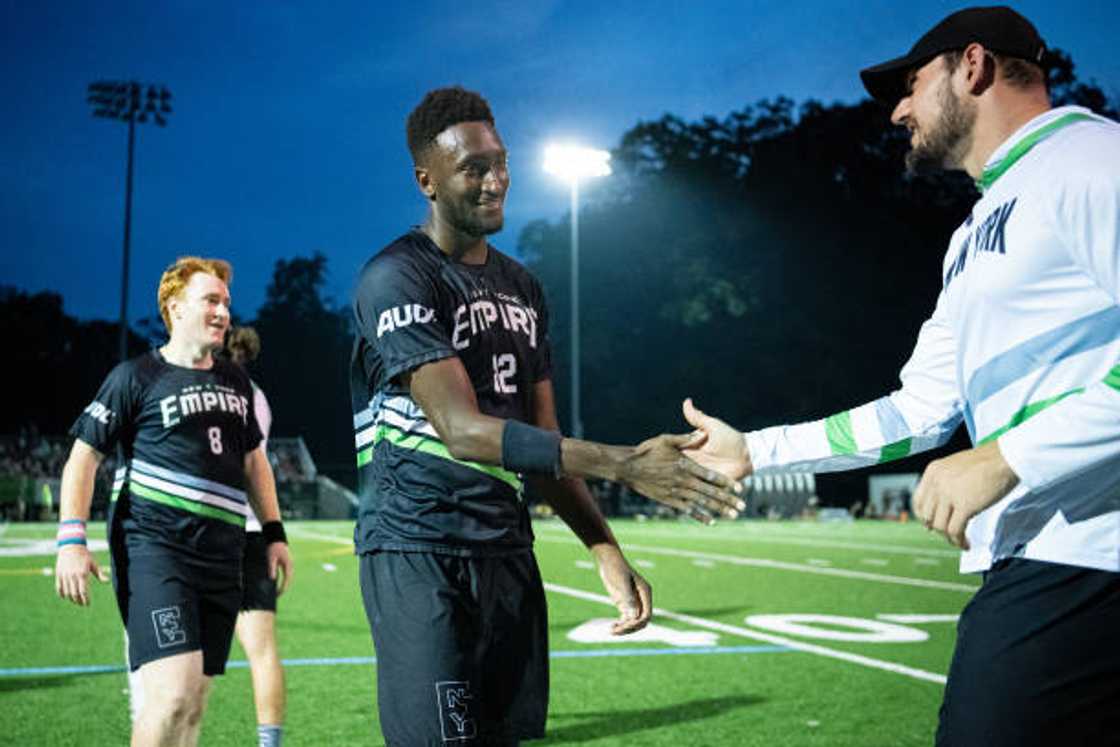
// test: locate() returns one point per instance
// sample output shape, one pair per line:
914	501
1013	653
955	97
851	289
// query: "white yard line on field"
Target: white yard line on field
809	648
721	558
308	534
919	619
753	536
779	565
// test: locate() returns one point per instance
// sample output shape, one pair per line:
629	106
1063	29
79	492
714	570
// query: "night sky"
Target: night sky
288	131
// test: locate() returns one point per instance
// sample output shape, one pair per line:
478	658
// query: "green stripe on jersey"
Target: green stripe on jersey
210	512
897	450
365	456
1026	413
1020	149
838	428
1112	378
433	447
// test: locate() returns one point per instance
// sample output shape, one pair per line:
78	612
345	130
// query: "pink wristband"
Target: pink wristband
71	532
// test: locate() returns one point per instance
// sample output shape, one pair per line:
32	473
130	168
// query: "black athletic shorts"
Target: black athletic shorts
258	591
1037	660
173	605
462	647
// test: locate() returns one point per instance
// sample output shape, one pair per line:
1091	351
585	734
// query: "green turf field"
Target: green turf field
712	670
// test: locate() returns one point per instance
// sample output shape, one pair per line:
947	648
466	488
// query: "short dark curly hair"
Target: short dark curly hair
442	108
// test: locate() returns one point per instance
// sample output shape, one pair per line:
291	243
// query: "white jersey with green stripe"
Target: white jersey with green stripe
182	436
1023	346
414	305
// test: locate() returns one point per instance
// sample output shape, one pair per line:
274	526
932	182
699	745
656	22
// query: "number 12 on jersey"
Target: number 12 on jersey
505	371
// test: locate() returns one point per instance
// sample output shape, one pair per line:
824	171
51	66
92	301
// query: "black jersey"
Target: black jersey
183	435
413	305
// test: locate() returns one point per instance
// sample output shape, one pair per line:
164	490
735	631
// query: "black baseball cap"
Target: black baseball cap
998	28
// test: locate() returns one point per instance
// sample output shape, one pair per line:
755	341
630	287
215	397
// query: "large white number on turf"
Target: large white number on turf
599	631
858	629
215	434
505	368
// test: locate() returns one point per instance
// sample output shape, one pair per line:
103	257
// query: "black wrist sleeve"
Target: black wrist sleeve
527	449
273	531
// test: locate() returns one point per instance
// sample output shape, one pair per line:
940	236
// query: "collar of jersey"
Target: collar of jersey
432	246
1020	144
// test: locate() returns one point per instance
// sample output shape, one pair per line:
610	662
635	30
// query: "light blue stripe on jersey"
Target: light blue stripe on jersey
363	418
1043	351
891	422
190	481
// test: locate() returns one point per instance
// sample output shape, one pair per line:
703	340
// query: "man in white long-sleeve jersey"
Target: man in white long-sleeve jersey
1023	346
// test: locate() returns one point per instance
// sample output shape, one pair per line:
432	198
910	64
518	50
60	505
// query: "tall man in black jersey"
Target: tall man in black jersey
455	422
192	460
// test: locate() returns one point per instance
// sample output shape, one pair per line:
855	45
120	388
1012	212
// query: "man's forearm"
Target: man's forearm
78	478
574	504
590	459
262	489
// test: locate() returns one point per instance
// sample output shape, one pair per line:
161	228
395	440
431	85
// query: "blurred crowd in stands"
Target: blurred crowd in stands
31	469
31	454
290	460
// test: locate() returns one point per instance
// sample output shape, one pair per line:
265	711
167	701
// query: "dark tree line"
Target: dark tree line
54	363
304	364
774	264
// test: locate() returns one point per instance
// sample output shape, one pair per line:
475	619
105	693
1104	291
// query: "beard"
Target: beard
946	143
472	222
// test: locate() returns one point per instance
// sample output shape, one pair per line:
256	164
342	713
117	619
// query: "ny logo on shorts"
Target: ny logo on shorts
454	710
168	622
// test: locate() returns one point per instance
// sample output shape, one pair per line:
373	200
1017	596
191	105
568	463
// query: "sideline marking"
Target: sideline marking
780	565
360	660
811	648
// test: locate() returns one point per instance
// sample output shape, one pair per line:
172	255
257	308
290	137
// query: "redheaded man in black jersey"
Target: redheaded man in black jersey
192	462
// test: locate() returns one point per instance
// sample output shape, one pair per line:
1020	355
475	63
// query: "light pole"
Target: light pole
130	102
573	163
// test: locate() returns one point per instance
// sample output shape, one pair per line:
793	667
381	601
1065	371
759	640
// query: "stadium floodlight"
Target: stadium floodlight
132	102
572	163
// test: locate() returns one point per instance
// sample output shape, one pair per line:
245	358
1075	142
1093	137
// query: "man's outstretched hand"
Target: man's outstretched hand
722	448
659	469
